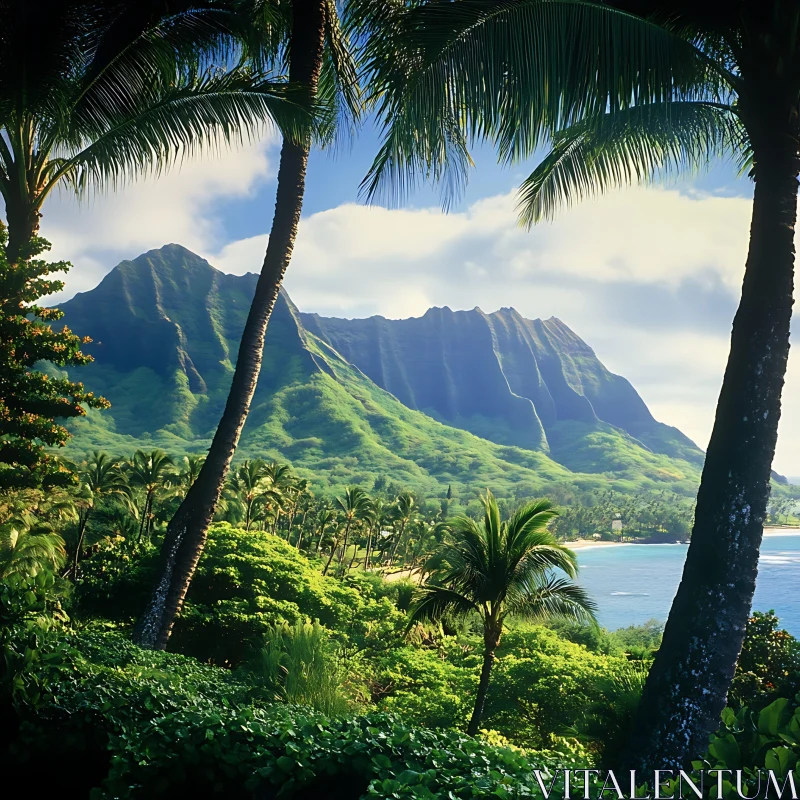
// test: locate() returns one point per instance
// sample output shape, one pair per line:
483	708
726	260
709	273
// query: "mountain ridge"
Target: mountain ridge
167	325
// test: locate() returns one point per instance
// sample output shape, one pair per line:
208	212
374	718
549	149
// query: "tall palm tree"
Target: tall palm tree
100	477
379	515
247	486
497	569
150	472
354	505
325	516
405	509
297	491
279	477
188	473
318	63
94	93
633	90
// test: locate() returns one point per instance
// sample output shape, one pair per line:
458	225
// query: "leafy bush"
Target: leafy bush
249	581
751	741
543	685
134	723
769	664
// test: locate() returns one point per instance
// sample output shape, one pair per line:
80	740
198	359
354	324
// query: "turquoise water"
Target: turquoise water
632	584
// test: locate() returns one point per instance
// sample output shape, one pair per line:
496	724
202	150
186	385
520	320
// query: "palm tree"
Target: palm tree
280	480
247	486
325	516
353	505
296	494
100	92
100	477
151	472
499	569
320	65
380	514
629	91
189	472
405	508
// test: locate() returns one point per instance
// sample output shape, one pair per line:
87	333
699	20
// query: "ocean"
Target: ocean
634	583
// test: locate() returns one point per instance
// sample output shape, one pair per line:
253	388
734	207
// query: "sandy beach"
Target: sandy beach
583	544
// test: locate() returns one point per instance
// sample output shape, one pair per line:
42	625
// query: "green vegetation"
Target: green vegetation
500	570
285	679
30	401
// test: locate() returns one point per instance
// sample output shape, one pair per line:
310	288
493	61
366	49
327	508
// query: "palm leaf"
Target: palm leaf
541	598
639	144
438	601
174	121
513	72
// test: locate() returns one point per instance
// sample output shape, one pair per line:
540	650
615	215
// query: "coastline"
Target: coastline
585	544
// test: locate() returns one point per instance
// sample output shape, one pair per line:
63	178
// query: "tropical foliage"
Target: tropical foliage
619	93
30	400
501	569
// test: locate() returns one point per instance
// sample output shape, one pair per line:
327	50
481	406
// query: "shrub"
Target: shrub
139	724
769	664
298	665
249	581
754	741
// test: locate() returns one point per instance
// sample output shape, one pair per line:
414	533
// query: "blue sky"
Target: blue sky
649	277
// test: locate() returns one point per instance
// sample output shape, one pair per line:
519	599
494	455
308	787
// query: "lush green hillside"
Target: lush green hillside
166	328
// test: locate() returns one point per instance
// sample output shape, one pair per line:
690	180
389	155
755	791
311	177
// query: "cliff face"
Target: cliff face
509	379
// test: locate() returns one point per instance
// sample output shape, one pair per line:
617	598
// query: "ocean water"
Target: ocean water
632	584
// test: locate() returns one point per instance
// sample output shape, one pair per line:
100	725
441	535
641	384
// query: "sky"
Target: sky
649	277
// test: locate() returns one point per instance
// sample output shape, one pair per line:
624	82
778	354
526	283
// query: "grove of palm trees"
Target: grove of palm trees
216	623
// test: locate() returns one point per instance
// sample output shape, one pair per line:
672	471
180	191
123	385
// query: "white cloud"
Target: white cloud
648	277
181	206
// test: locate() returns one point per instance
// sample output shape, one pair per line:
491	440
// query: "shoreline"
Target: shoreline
585	544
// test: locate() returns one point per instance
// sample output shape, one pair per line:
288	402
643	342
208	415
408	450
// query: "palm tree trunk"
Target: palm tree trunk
353	559
369	548
82	522
330	557
688	684
188	529
142	521
490	641
344	544
397	543
23	224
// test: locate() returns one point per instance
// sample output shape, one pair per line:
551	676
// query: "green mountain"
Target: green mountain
530	383
462	398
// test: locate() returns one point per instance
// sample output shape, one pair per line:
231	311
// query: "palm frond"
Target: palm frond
540	598
339	92
512	72
638	144
437	601
170	122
